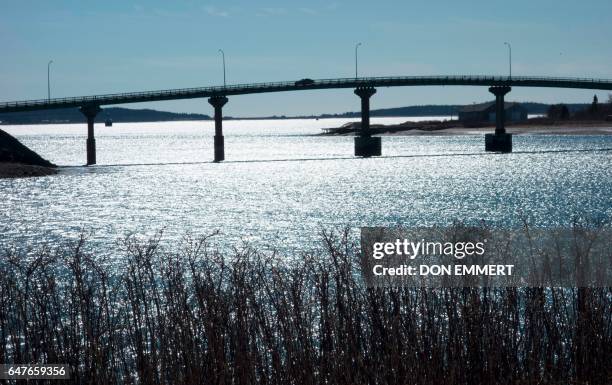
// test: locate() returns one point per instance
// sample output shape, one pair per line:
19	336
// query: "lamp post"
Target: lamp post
356	46
509	57
223	56
49	80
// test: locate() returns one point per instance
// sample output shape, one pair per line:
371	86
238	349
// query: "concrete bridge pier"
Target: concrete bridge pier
90	112
218	102
500	141
365	144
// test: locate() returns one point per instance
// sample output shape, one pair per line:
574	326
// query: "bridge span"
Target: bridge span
365	87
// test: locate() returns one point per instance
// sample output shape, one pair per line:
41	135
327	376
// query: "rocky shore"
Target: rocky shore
17	160
20	170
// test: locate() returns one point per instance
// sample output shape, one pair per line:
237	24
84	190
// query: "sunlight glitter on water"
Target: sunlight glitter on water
159	175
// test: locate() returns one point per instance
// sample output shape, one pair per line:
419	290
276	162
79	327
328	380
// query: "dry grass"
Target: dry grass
198	317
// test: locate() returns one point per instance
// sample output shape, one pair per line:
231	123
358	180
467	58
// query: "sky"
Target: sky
122	46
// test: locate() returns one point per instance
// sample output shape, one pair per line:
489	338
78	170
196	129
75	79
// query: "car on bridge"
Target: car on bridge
304	82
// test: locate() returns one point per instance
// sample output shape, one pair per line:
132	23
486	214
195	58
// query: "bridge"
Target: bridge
365	144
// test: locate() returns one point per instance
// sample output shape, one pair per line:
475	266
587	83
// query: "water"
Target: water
280	185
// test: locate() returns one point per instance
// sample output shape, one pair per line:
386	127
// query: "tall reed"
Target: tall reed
194	316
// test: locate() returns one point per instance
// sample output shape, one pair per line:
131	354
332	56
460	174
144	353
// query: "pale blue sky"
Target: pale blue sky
118	46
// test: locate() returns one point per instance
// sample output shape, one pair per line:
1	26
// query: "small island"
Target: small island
537	126
559	119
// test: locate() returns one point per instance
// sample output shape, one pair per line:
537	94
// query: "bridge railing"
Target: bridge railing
237	88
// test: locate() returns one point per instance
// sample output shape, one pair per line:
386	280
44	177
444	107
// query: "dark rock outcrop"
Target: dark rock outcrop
13	151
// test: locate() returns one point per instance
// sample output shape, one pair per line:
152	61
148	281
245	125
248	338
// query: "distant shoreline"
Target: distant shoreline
536	127
517	130
128	115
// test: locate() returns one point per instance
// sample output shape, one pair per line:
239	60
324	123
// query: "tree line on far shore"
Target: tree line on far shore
594	111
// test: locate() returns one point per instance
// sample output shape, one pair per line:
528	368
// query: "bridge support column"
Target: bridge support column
90	113
218	102
500	141
365	144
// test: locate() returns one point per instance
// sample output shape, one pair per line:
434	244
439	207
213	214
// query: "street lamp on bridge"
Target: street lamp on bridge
49	80
356	46
509	56
223	56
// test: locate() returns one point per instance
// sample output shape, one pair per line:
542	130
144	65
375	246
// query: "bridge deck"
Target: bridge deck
241	89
